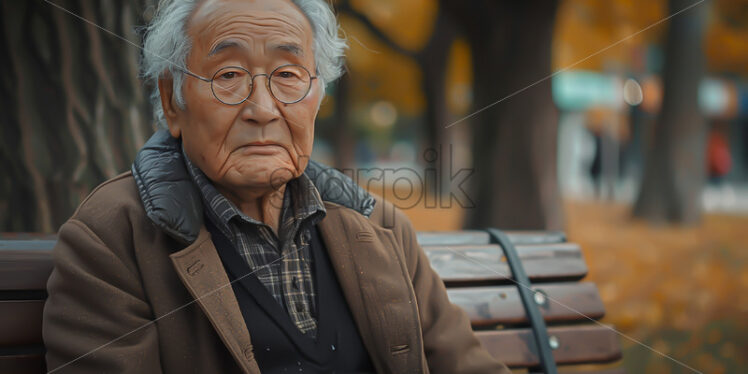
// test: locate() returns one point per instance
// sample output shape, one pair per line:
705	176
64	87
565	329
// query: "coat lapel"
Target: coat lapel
374	280
202	272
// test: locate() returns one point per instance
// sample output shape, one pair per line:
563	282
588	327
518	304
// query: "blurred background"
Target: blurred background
622	122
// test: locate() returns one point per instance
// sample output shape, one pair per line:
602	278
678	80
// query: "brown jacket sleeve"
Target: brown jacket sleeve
449	342
96	319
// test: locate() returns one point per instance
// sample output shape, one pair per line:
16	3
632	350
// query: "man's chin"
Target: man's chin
264	180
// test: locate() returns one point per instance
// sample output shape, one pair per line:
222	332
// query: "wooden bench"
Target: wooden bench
472	265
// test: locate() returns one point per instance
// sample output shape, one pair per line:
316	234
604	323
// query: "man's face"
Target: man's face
244	146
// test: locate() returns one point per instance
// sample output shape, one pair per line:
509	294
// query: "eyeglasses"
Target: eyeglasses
233	85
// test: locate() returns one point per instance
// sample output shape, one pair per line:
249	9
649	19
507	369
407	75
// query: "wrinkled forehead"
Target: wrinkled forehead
216	24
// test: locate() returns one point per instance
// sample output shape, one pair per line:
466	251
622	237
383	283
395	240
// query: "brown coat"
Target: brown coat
122	296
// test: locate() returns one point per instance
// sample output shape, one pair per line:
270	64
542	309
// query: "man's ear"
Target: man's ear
166	91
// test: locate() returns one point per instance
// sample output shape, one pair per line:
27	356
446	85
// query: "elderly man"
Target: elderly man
225	249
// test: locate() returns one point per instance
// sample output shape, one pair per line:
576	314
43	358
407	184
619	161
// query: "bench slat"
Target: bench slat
475	237
585	369
9	240
482	264
24	269
21	322
578	344
28	269
23	364
535	237
26	236
466	237
617	370
27	244
502	305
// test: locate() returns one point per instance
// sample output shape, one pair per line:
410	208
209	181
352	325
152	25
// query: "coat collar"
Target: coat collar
173	203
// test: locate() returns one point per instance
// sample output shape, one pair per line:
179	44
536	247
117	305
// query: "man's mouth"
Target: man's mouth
260	148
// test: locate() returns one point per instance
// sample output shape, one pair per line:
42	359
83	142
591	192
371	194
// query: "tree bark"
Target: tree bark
75	113
515	133
433	61
343	136
675	168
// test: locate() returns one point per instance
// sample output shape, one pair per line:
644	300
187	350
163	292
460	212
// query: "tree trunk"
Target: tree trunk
75	112
343	136
515	136
433	61
675	169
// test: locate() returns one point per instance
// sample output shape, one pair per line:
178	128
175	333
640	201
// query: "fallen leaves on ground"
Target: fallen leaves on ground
679	290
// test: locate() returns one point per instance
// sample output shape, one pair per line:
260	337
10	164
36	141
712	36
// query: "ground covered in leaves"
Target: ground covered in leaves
682	292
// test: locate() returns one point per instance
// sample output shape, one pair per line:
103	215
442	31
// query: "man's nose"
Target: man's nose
260	107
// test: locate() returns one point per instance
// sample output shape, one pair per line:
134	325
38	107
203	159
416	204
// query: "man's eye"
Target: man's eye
228	75
286	74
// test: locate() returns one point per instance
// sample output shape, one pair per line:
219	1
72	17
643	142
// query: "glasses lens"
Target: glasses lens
290	83
231	85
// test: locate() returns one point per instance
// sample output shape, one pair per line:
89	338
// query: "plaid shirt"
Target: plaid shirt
282	263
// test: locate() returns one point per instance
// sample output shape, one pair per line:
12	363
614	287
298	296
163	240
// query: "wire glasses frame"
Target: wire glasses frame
289	83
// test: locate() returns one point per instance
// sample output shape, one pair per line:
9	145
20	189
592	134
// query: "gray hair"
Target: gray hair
166	47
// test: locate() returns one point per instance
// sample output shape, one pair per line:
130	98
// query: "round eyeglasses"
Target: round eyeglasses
233	85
